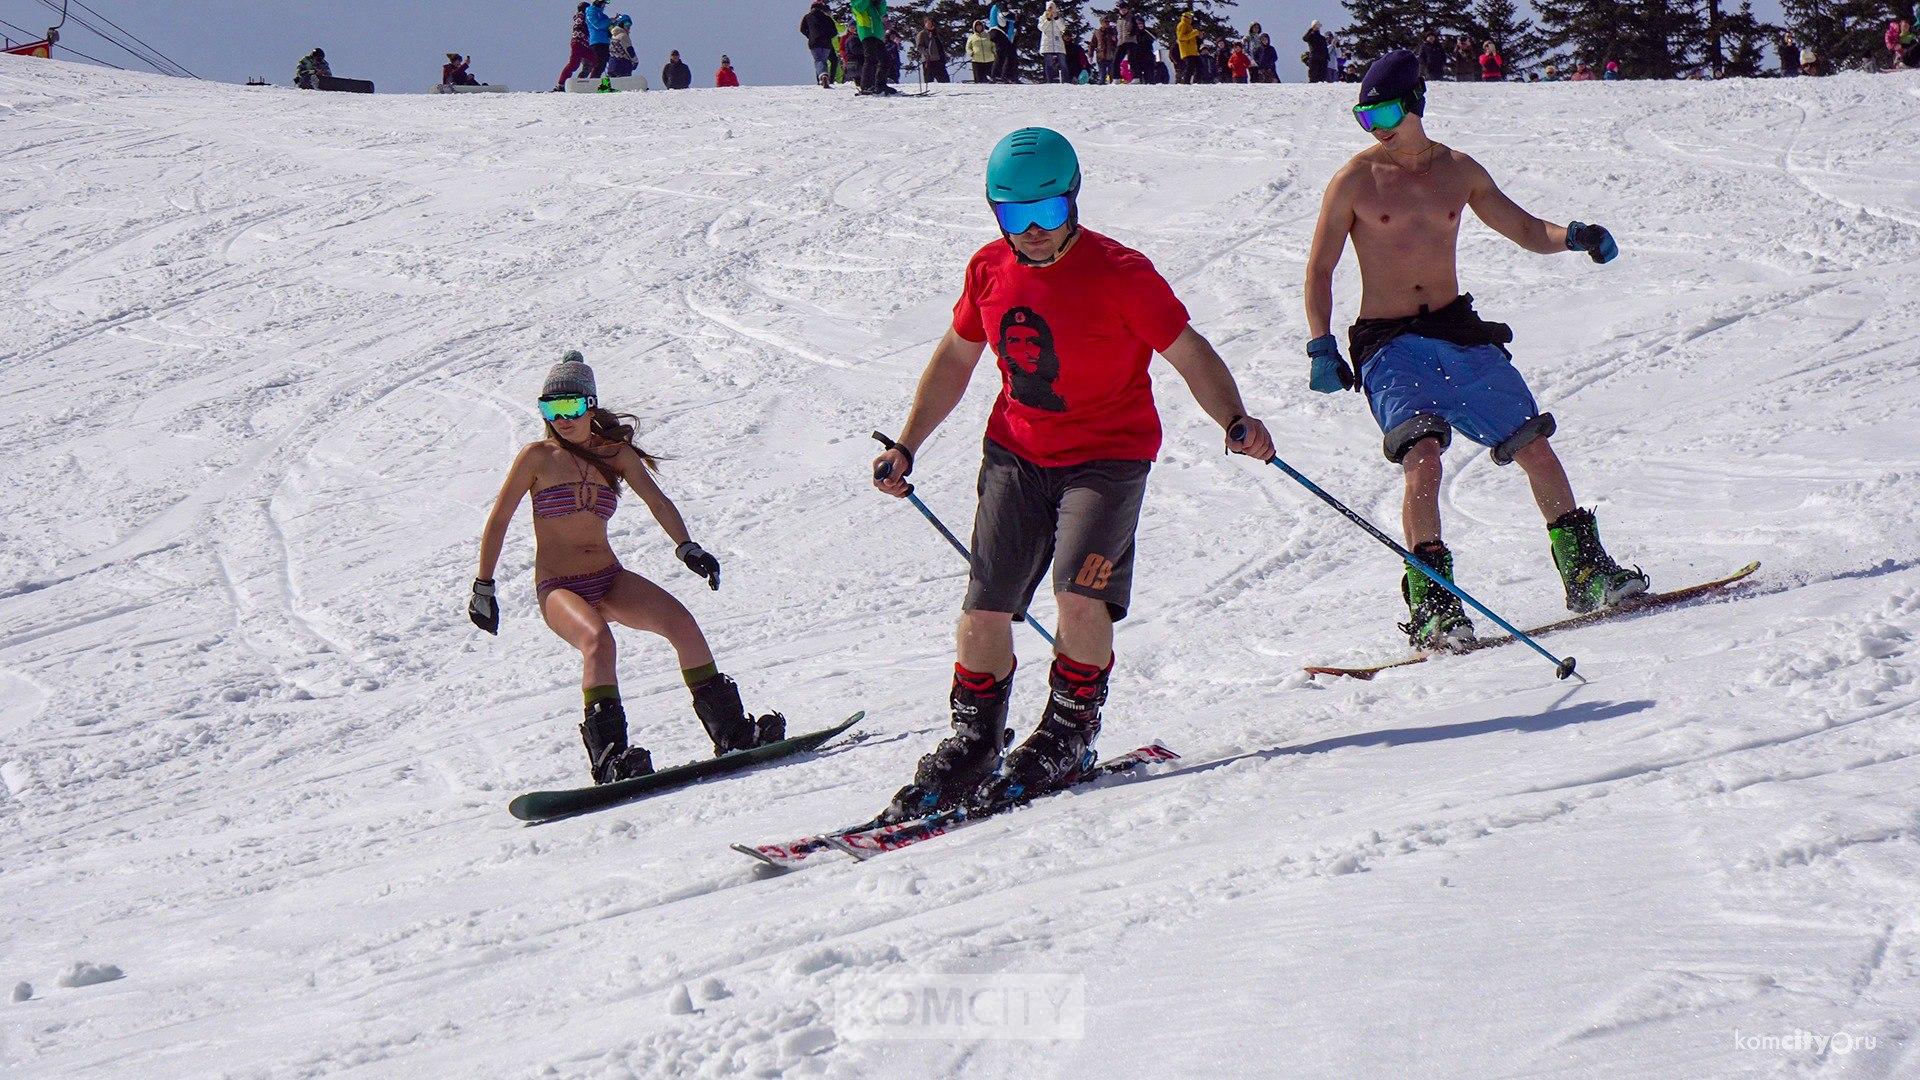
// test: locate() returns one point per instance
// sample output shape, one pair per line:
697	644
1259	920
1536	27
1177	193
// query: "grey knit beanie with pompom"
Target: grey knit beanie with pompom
571	377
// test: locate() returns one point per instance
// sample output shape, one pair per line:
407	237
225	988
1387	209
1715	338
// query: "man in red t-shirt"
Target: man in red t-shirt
1074	318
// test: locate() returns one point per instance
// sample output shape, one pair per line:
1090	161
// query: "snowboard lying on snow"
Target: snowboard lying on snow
592	86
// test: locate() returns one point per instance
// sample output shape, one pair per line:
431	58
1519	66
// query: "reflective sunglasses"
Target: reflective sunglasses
565	408
1017	217
1384	116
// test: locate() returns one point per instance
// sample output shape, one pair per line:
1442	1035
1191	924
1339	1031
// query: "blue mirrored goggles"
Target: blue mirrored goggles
1384	116
565	408
1017	217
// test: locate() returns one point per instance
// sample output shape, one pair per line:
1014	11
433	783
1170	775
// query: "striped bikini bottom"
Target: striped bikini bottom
592	588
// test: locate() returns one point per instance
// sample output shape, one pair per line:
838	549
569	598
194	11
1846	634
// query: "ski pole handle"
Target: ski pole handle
881	472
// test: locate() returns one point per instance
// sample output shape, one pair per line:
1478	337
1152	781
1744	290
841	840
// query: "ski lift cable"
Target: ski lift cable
29	35
108	38
130	35
150	61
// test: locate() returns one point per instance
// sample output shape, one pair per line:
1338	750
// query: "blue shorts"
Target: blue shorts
1424	388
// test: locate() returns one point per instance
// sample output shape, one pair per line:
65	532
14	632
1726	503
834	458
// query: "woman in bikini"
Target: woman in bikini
574	476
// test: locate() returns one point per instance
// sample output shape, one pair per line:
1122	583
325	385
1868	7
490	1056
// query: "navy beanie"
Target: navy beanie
1395	75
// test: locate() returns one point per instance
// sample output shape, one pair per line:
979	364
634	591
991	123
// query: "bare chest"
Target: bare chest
1403	205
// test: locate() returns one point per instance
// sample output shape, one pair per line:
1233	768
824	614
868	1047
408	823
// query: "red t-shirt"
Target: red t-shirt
1073	340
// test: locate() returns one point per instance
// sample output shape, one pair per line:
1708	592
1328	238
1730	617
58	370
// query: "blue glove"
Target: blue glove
1330	373
1595	240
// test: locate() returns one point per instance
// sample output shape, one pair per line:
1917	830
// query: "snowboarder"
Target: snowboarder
1428	363
870	28
726	76
1074	318
580	54
599	37
311	69
573	476
621	57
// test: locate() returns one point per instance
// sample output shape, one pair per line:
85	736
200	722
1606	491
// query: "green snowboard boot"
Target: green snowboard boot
1437	620
1592	578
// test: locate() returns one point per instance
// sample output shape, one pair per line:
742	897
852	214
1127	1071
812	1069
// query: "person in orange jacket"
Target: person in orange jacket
726	75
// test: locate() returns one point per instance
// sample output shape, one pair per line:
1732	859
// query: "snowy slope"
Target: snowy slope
264	356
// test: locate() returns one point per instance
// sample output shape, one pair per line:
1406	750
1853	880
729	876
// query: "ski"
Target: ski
1639	604
547	805
870	838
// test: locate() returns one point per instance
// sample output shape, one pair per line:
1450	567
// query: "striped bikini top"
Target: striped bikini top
563	499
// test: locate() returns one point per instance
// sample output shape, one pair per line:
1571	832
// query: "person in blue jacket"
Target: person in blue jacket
599	37
1000	30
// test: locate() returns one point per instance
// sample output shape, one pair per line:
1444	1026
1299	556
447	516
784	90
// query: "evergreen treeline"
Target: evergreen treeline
1651	39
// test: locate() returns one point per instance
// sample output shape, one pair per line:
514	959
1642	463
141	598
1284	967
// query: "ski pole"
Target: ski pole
1561	668
881	474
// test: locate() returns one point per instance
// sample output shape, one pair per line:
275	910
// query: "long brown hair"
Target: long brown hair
607	427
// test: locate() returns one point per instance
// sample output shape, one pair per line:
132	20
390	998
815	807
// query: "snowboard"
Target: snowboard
453	88
870	838
547	805
344	86
592	86
1638	604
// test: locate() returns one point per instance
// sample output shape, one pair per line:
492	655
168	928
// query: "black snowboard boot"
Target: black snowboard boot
1060	750
1437	621
717	703
1592	578
963	759
608	754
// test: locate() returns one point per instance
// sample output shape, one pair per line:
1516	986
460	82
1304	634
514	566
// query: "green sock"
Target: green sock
697	675
609	692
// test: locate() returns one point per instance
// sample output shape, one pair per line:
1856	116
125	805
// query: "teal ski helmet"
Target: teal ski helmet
1032	164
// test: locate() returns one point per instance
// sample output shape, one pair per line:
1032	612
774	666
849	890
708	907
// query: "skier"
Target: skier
1074	318
1428	363
574	476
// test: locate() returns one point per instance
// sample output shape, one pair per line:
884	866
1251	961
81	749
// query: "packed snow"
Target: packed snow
265	356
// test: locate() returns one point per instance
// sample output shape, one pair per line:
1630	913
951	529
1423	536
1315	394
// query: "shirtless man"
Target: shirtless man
1429	364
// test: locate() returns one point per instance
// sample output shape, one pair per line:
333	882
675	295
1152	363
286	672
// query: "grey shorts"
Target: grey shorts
1080	519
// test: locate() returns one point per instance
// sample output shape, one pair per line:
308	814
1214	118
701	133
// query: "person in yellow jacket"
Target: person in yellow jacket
1188	38
980	52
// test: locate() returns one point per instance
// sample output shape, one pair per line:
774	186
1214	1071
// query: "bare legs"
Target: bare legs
633	601
1420	508
985	638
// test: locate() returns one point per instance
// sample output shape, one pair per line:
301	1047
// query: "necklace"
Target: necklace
1423	157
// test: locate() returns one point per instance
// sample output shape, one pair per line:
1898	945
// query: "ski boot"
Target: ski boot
1592	578
944	778
608	754
1060	750
717	703
1437	622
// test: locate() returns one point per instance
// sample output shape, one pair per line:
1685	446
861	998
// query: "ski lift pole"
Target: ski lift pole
1561	668
881	473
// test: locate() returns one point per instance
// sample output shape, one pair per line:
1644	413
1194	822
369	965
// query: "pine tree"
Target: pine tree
1844	33
1377	27
1747	39
1652	39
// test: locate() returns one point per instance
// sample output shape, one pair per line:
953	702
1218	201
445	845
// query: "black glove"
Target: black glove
482	609
1595	240
700	562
